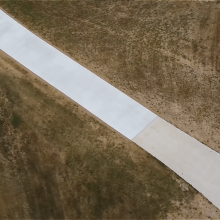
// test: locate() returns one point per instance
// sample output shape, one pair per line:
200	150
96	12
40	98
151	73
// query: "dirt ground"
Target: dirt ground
58	161
165	55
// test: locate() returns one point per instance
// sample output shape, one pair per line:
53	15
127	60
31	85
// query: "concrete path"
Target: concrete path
196	163
190	159
100	98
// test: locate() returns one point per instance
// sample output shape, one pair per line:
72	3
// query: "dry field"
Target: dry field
58	161
165	55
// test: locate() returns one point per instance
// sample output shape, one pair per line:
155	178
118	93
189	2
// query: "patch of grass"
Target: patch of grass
16	121
1	127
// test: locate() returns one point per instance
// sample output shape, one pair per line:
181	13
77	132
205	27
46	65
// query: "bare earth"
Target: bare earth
165	55
59	161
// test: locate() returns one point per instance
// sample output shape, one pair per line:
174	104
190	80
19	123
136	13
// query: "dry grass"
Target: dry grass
165	55
58	161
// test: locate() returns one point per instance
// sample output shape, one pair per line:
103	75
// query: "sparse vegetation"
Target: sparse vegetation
61	162
164	54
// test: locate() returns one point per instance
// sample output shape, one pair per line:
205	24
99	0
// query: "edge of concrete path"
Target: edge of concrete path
186	156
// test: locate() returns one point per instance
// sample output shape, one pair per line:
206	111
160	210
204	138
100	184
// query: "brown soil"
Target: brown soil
58	161
165	55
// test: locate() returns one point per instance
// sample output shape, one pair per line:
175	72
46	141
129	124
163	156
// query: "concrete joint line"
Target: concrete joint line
143	129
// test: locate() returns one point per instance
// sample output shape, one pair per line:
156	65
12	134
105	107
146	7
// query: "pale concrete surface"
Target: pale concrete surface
97	96
190	159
